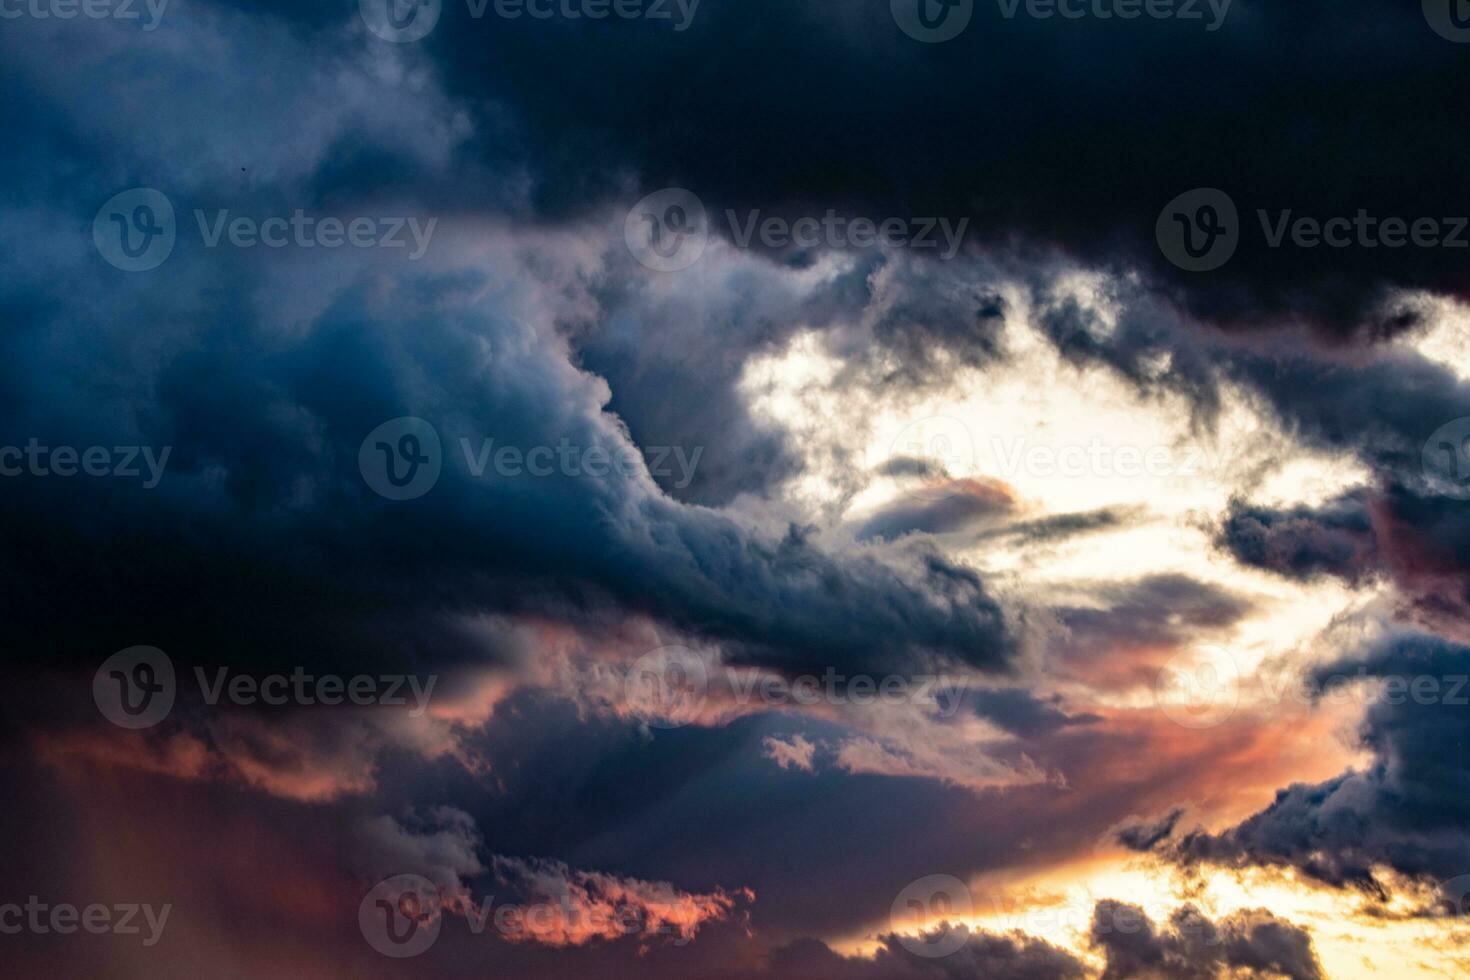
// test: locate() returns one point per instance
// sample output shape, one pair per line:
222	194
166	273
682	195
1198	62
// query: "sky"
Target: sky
802	490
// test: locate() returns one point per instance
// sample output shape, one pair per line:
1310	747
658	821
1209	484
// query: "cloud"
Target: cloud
794	754
1191	947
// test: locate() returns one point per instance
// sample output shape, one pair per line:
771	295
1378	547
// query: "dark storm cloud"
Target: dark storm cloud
1118	118
1192	947
1303	542
1024	714
1405	812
